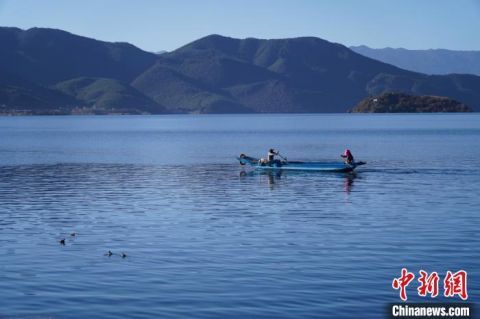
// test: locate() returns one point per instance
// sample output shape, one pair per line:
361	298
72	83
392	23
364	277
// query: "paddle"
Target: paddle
284	158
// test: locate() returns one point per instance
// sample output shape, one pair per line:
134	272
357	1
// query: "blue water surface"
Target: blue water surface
206	238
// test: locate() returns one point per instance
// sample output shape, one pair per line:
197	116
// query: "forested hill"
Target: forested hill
48	71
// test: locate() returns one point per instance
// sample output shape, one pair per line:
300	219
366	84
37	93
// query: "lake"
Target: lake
206	238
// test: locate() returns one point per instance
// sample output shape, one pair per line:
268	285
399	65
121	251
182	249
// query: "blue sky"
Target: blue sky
165	25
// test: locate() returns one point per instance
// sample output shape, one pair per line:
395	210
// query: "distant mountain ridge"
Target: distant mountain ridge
52	71
433	61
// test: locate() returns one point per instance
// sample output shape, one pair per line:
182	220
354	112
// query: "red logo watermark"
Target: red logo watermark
454	284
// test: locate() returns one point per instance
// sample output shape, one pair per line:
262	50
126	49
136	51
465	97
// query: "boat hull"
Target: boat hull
299	166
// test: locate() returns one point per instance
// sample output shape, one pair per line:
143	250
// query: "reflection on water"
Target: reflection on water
273	177
348	181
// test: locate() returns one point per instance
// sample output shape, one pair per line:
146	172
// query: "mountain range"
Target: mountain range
49	71
433	61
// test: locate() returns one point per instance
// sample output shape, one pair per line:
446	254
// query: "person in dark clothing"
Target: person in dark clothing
271	155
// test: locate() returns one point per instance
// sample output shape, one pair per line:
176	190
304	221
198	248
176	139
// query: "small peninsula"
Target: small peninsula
404	103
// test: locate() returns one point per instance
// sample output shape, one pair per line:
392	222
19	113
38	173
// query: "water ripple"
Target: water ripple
278	242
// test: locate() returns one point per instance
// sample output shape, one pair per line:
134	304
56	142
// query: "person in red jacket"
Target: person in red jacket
347	155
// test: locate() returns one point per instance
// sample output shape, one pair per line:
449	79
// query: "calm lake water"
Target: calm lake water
208	239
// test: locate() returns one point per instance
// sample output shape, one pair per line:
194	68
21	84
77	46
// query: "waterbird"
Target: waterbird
124	255
109	253
73	234
62	242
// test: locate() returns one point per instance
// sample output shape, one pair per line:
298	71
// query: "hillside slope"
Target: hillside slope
48	56
285	75
103	96
19	96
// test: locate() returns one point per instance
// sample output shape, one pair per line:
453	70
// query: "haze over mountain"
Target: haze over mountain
52	71
434	61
